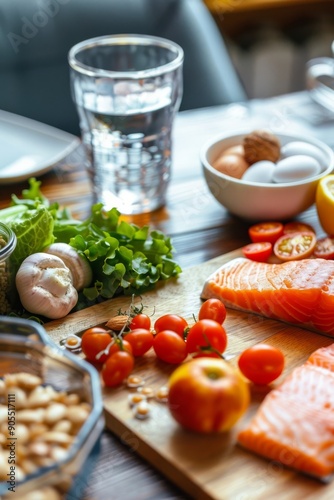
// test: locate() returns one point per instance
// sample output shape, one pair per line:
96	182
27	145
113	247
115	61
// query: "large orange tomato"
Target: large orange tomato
207	395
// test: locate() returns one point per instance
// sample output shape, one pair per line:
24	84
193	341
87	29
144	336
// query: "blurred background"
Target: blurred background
234	49
270	41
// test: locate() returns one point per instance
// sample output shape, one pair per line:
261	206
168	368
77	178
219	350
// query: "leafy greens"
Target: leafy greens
124	258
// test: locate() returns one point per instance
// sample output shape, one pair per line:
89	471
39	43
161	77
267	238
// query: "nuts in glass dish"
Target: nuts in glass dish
40	421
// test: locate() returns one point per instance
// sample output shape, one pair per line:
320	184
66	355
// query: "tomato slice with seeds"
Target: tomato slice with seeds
297	227
324	248
260	252
295	246
265	231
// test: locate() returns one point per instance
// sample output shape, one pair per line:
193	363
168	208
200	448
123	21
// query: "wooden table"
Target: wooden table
200	228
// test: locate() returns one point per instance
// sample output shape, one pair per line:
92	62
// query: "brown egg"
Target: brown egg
235	150
233	165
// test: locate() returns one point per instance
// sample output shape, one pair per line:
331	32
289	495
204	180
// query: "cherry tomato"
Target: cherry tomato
213	309
261	363
117	368
141	341
171	322
206	332
265	231
93	341
297	227
324	248
260	252
170	347
140	321
120	345
295	246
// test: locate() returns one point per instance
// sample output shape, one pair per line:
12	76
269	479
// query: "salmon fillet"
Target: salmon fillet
323	357
295	423
299	292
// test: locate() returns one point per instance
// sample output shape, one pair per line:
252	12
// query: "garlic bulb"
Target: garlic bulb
79	266
45	286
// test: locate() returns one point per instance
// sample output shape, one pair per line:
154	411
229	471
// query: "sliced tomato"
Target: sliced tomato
295	246
265	231
297	227
324	248
258	251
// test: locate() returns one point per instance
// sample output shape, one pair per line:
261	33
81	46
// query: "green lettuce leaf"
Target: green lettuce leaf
34	231
124	258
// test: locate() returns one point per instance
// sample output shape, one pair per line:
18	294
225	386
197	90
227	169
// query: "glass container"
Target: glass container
26	347
7	246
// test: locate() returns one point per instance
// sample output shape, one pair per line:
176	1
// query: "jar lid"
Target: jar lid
10	238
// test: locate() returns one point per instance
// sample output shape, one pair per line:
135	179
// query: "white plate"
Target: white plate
30	148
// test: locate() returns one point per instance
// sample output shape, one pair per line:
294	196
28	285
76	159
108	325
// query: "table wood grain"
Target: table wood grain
200	228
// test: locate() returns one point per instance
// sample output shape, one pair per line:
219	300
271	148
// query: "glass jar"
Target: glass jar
7	246
25	347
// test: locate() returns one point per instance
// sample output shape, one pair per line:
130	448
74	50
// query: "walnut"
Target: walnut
261	145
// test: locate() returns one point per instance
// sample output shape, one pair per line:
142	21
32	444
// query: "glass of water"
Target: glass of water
127	90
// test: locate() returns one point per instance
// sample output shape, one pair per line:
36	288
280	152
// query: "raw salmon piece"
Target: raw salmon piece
299	292
317	386
295	423
293	434
323	357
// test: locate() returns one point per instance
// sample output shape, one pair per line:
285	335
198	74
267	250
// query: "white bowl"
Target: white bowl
261	201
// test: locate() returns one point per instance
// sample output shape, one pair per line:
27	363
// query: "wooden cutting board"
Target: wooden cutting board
206	467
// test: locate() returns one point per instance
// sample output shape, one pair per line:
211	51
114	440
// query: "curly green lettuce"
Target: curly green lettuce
124	258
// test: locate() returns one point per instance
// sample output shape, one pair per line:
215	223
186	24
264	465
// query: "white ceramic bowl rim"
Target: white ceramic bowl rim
288	137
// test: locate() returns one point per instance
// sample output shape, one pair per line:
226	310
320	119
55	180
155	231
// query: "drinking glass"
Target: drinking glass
127	90
320	81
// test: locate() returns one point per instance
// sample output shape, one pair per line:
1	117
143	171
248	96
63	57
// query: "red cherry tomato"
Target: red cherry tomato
265	231
93	341
324	248
140	321
141	340
171	322
261	363
260	252
170	347
117	368
295	246
120	345
213	309
206	333
297	227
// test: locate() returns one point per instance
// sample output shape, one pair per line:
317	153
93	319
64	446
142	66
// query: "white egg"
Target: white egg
303	148
261	171
295	168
